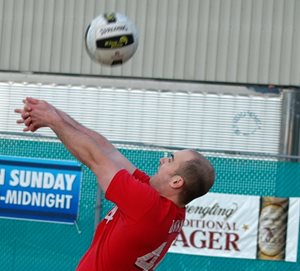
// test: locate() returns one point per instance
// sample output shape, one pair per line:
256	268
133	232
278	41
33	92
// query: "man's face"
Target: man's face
168	167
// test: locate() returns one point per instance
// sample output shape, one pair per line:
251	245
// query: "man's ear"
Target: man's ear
176	182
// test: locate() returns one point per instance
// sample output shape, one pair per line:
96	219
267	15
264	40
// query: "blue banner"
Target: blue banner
39	189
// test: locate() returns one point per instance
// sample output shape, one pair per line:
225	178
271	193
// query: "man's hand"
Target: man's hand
36	114
24	114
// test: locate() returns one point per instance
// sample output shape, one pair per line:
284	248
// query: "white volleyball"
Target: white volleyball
111	39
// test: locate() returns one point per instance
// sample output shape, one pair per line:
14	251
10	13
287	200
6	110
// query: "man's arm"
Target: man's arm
107	147
89	147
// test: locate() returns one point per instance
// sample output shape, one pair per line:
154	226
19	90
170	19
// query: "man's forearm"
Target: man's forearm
105	145
86	150
78	143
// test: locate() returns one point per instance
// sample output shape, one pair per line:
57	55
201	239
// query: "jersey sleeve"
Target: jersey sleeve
141	176
132	193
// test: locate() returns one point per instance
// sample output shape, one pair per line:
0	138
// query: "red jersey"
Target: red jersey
137	233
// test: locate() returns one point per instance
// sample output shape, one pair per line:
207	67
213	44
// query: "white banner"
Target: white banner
239	226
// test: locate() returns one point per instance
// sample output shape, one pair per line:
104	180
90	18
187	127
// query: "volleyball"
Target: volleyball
111	39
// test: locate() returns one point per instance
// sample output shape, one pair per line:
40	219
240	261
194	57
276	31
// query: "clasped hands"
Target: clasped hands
35	114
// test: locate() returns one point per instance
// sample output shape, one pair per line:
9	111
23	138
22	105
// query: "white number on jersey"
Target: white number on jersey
110	214
147	261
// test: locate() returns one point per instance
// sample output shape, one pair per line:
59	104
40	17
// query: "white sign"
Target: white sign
228	226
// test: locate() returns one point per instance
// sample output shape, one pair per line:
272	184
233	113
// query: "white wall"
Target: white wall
211	117
233	41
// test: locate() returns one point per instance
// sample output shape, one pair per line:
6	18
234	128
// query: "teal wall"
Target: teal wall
28	245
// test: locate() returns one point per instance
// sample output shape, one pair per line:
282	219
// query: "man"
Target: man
149	212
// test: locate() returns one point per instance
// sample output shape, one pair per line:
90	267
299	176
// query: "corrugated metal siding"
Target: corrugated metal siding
202	119
240	41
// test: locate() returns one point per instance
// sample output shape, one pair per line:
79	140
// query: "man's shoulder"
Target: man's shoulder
141	175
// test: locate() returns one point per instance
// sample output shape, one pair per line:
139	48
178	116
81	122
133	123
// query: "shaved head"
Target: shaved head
198	175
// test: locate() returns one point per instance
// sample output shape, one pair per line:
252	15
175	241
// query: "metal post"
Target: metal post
290	124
